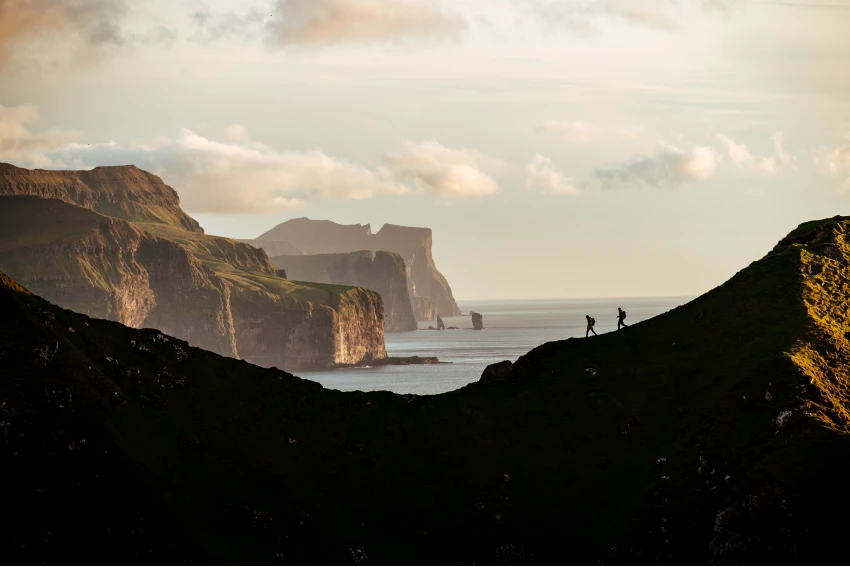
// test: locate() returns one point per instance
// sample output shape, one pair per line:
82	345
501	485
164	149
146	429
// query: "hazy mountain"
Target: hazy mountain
414	245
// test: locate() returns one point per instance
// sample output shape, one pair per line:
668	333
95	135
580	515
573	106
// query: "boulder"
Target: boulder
440	325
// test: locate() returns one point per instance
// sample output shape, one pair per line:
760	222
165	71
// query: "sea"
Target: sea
512	328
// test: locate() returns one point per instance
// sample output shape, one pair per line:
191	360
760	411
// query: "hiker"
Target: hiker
590	323
621	315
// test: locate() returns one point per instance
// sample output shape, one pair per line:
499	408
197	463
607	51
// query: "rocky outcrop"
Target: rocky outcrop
215	293
124	192
440	325
380	271
477	321
414	245
424	308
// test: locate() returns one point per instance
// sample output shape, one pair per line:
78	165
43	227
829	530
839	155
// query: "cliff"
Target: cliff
424	309
104	267
413	244
216	293
383	272
124	192
713	434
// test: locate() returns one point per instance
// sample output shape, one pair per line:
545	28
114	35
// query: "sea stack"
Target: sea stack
477	321
440	325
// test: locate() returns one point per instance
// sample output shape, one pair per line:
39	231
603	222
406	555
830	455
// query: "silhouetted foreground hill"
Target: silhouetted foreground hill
712	434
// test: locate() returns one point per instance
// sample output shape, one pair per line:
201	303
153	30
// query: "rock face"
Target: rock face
424	308
414	245
383	272
477	321
124	192
164	272
289	333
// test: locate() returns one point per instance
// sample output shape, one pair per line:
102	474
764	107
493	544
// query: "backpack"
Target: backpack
624	314
592	321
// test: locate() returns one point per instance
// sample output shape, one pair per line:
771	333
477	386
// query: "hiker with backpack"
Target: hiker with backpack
590	323
621	315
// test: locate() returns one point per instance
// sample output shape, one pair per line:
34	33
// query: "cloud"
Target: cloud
835	161
722	6
90	25
541	175
585	131
840	157
583	16
325	22
210	26
787	161
737	152
671	167
658	14
573	131
95	20
430	166
239	174
19	144
742	157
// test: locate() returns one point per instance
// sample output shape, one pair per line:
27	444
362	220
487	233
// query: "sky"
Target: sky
557	148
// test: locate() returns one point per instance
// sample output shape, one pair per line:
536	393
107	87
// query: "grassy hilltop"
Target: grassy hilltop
715	433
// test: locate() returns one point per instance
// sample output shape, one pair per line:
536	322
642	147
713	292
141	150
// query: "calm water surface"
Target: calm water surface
513	327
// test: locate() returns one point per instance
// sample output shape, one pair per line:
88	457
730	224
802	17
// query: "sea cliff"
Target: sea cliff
413	244
383	272
151	265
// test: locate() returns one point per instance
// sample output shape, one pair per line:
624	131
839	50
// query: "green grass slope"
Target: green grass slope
124	192
676	447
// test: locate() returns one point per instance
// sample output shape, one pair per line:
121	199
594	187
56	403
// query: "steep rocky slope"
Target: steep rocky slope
215	293
124	192
715	433
383	272
414	245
